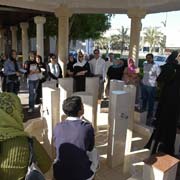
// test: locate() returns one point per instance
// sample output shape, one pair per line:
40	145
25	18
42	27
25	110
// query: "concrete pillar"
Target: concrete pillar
118	114
136	15
2	41
14	37
40	20
92	86
25	45
50	113
63	13
87	100
66	90
116	85
131	89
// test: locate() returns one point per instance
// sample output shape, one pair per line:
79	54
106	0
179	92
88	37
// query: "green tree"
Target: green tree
81	26
154	37
85	26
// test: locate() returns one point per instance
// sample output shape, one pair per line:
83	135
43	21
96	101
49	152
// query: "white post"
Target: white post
63	14
14	37
118	114
25	47
40	20
136	15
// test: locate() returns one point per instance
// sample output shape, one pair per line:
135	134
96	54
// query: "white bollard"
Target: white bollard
87	100
66	90
118	124
160	167
50	108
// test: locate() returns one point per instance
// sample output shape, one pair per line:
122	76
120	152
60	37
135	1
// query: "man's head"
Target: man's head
149	58
72	106
13	54
111	56
96	53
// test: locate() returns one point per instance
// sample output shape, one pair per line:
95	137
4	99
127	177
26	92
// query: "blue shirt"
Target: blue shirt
72	138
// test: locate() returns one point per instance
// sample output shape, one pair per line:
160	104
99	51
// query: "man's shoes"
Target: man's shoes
30	110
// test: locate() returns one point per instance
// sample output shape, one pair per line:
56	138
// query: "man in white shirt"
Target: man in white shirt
107	65
97	66
151	72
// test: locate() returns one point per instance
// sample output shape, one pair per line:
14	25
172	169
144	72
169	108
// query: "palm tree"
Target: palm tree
154	37
124	38
121	40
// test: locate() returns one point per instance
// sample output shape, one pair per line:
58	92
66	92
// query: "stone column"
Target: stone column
63	14
118	124
2	43
66	90
25	46
136	15
40	20
14	37
50	113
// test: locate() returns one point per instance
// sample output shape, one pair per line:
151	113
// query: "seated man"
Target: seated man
76	158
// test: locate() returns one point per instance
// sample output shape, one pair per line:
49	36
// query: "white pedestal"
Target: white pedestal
116	85
87	100
118	124
66	90
51	116
92	87
160	167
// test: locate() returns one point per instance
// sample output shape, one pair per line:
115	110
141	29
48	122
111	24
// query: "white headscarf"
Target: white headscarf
80	63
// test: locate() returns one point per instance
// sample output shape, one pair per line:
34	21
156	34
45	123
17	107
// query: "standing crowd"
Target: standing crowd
74	141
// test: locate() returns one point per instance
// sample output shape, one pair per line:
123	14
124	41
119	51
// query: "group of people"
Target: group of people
34	70
76	156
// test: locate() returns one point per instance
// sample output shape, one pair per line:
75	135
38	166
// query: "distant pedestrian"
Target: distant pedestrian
97	66
12	73
54	69
151	72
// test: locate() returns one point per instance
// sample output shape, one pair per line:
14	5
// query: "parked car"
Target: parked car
160	59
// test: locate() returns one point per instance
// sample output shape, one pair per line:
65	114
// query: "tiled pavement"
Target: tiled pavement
105	172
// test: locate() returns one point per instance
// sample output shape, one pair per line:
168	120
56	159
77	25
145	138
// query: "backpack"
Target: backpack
33	173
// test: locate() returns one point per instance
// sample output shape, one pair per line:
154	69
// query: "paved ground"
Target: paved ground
105	172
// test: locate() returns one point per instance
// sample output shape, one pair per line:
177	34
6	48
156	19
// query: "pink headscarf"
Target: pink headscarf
131	65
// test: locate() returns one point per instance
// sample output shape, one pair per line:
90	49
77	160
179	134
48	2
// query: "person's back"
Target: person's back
14	144
14	158
73	138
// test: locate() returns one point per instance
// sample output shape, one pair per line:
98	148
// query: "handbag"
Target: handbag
33	173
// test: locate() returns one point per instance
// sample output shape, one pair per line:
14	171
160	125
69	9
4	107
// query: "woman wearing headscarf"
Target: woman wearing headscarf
131	73
71	62
167	113
115	71
81	71
14	147
131	76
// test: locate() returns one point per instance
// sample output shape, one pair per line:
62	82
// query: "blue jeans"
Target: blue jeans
33	85
148	98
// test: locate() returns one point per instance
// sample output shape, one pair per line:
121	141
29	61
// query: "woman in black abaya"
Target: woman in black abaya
81	71
167	113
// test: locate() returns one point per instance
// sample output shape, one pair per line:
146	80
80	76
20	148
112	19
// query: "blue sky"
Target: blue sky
172	27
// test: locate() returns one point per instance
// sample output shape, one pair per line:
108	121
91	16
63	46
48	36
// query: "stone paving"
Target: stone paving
105	172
